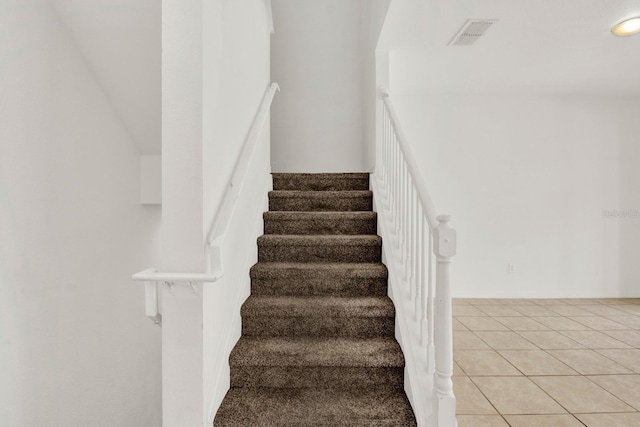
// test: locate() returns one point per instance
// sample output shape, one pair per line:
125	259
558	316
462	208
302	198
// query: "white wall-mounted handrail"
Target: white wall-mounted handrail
219	222
421	187
153	275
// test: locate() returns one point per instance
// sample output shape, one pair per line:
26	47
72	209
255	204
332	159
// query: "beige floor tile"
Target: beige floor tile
632	322
457	370
505	340
457	326
560	323
535	310
521	324
467	340
469	400
543	421
466	310
579	394
499	310
550	340
588	362
547	302
610	420
536	362
483	362
631	309
594	339
485	301
629	358
458	301
482	324
517	302
570	310
481	421
599	323
602	310
583	301
624	387
516	395
631	338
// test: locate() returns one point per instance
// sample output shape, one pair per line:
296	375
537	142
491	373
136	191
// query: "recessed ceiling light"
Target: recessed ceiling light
627	28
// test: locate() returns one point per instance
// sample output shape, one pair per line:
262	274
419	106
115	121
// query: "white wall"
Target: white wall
317	58
237	74
526	178
120	42
373	16
75	347
629	179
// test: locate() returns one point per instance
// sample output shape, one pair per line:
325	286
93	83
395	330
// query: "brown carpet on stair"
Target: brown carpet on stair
317	345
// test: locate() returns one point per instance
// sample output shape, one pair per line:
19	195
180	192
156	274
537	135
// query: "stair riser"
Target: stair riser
316	376
324	227
319	287
319	253
321	204
343	327
319	182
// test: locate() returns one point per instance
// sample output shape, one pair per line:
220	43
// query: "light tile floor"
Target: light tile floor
547	362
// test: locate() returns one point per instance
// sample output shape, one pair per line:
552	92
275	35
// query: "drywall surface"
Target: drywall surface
527	180
120	42
236	37
373	17
317	58
237	75
75	347
628	220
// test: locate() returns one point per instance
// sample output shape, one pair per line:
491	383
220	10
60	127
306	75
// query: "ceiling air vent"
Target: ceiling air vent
471	31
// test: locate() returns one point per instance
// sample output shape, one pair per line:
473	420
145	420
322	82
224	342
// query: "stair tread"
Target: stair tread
340	194
319	240
343	352
329	269
318	306
315	407
321	215
343	175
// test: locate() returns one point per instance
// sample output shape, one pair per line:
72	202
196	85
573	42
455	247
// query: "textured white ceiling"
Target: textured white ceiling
557	46
121	43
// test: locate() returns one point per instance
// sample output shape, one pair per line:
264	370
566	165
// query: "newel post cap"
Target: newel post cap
444	238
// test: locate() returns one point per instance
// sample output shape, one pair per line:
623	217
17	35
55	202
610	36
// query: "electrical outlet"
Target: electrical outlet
511	268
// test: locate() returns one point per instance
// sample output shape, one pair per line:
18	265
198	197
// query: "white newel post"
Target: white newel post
182	212
444	247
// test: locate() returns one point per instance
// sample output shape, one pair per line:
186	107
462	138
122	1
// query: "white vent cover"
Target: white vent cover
471	31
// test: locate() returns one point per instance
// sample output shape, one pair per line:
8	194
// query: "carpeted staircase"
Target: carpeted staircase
317	345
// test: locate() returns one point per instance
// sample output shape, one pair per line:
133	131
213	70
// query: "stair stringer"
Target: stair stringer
220	381
418	379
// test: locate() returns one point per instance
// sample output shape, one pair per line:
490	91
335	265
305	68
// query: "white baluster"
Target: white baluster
429	319
444	249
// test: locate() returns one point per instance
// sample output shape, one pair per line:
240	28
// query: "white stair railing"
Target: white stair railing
219	223
416	235
216	309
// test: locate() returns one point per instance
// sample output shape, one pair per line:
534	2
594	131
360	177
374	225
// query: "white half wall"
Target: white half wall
526	179
75	346
317	58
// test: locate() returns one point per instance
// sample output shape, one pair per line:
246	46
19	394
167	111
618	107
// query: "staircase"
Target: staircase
317	345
